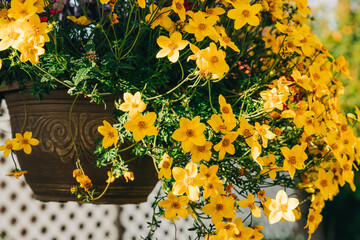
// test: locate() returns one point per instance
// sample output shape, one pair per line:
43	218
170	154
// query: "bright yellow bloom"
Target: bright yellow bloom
112	176
142	126
244	232
212	187
301	80
218	125
282	207
294	158
142	3
249	203
132	104
16	173
273	99
219	207
22	10
247	131
226	111
83	20
215	60
175	206
170	47
37	30
313	221
245	13
12	35
225	145
158	17
26	141
200	26
199	153
269	165
264	132
187	181
226	230
111	135
225	40
178	7
190	133
325	184
30	51
165	166
302	7
9	145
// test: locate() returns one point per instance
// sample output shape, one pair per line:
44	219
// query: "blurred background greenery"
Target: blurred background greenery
337	25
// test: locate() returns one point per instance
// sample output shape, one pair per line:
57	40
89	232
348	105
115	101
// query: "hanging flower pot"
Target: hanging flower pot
51	163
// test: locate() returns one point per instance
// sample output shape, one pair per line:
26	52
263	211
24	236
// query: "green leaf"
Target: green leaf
81	75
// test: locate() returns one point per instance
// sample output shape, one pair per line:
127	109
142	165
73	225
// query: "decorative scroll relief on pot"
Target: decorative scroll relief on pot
54	134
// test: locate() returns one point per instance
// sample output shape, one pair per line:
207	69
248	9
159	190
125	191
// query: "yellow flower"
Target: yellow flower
30	51
249	203
142	126
282	207
171	46
159	16
302	7
313	221
273	99
175	206
17	173
225	145
132	104
247	131
200	26
111	135
178	7
83	20
301	80
12	35
264	132
199	153
217	123
219	207
225	40
245	13
85	182
226	230
142	3
165	166
212	187
269	165
22	10
325	184
129	176
190	133
215	60
9	145
26	141
244	232
226	111
294	158
187	180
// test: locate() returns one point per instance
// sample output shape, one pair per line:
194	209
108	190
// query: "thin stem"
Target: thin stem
212	107
25	117
12	157
70	129
102	194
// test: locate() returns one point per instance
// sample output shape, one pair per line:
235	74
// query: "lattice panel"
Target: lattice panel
22	217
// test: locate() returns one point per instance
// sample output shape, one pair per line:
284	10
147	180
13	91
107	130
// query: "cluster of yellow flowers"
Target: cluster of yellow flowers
20	142
21	29
307	99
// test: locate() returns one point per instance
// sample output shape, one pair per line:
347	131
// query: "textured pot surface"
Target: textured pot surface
51	163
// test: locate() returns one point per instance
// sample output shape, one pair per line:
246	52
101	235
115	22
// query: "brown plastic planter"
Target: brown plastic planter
51	163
